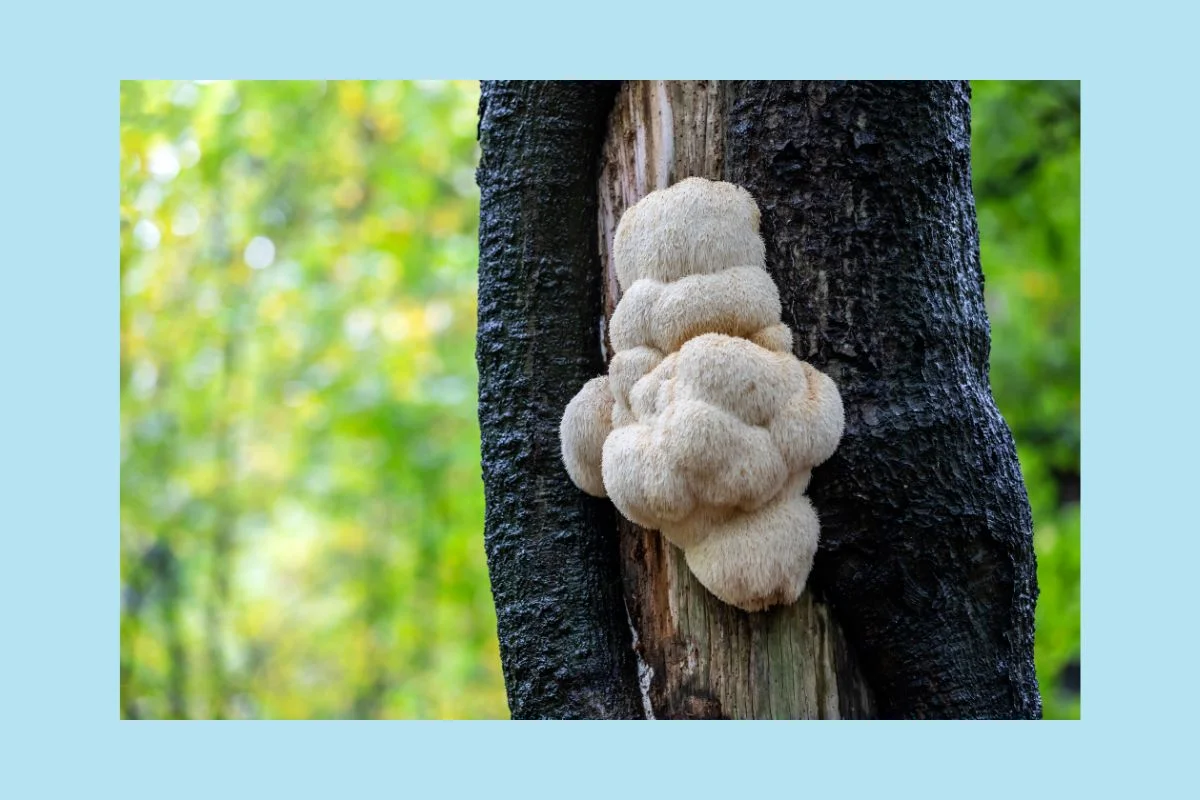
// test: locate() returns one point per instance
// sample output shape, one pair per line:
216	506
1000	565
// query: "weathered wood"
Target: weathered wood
699	657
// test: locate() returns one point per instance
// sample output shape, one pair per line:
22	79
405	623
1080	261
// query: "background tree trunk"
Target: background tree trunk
926	560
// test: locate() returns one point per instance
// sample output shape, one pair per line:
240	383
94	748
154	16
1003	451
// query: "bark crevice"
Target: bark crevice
710	659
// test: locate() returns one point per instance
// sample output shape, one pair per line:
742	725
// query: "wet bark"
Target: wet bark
926	561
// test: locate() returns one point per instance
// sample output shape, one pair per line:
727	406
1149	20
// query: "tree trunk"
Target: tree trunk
921	601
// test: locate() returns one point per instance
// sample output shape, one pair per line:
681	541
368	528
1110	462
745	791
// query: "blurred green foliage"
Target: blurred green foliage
301	504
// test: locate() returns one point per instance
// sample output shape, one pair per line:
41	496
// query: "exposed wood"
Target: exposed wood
701	658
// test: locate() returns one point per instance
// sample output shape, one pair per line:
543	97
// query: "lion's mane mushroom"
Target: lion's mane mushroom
706	427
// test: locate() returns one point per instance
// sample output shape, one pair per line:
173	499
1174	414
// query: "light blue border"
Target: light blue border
58	569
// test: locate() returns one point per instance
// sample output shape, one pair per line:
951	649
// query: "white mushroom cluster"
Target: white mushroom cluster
707	427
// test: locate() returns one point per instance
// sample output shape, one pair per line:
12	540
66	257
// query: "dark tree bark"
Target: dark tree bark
552	550
926	558
927	546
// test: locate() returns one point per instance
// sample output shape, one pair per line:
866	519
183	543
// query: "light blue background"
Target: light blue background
59	563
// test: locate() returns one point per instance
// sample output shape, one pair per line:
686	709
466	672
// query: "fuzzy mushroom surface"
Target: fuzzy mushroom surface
707	427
